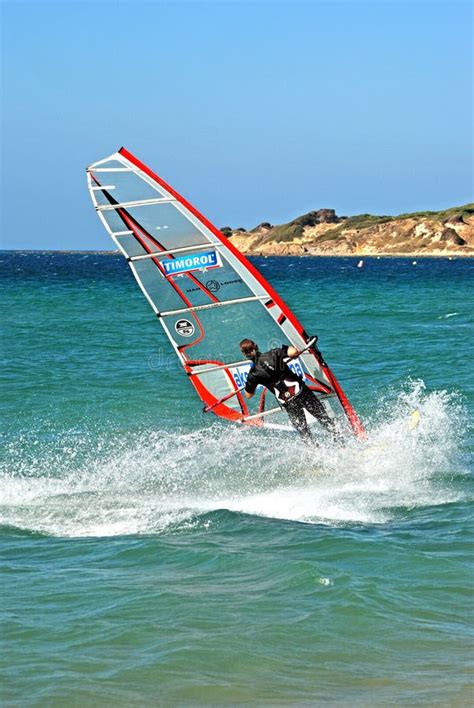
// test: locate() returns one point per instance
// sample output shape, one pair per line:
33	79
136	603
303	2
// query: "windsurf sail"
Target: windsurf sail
206	295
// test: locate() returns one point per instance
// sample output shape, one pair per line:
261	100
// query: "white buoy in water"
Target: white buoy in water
414	263
360	264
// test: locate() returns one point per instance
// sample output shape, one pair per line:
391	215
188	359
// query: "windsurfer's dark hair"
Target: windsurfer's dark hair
248	347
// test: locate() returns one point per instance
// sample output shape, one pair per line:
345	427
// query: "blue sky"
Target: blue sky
253	110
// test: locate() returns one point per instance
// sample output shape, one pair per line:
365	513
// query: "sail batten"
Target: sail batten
214	304
137	203
207	295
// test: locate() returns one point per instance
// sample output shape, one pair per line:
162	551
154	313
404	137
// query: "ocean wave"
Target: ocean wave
82	484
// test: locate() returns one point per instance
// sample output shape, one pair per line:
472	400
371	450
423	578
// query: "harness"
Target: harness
286	390
271	371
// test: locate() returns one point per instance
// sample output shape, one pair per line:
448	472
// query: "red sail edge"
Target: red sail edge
351	415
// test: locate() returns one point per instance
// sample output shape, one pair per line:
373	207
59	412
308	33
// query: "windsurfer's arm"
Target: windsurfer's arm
292	352
250	385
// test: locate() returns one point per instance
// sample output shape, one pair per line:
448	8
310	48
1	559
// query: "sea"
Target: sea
152	554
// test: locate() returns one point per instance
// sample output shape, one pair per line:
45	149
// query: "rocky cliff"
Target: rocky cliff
322	232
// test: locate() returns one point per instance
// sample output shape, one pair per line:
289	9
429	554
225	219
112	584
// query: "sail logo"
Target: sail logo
196	261
240	374
185	328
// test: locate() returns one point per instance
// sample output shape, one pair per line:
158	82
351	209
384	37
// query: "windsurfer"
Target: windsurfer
270	369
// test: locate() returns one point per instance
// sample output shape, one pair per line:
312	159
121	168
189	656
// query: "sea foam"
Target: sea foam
89	483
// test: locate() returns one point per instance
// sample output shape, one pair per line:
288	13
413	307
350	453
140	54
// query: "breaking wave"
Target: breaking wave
86	484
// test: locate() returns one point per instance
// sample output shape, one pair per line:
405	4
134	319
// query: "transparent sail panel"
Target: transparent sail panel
101	197
167	225
128	186
215	333
105	165
164	296
221	383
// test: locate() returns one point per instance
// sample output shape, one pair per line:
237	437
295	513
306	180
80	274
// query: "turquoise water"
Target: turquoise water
154	555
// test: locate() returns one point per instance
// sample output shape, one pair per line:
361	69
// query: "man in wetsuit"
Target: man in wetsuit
271	369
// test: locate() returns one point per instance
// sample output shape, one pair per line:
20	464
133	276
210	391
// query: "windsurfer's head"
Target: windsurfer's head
248	348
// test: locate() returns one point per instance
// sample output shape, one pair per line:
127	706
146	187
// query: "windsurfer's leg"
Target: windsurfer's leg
314	406
298	420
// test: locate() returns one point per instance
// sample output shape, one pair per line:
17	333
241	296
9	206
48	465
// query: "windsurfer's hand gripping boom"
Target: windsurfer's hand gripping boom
294	353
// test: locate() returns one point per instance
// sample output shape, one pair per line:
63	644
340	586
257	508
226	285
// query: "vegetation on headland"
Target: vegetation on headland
446	215
322	231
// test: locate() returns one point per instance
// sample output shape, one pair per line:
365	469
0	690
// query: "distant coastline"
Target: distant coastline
324	233
73	252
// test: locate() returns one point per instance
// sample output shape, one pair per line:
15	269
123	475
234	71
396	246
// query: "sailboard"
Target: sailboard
205	293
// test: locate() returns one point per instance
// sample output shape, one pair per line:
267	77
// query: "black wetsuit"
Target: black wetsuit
271	370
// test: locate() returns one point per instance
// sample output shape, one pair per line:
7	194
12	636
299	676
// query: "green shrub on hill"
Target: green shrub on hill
453	213
284	232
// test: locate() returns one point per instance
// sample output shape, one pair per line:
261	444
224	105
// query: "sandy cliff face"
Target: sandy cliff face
323	233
